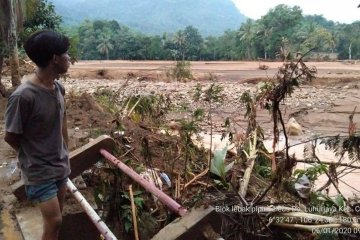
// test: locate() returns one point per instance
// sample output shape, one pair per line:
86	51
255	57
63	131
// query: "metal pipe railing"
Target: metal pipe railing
163	197
100	225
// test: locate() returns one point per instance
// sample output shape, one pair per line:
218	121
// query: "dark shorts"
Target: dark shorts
45	191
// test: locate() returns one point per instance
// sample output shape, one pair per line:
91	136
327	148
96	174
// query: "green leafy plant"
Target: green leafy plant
219	167
105	98
181	71
211	95
312	172
329	204
150	107
187	130
126	213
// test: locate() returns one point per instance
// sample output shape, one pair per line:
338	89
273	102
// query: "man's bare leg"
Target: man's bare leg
61	196
52	218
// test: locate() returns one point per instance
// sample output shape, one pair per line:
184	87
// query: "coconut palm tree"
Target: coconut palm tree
180	43
247	35
105	45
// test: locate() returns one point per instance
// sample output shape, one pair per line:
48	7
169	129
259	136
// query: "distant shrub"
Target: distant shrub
326	58
181	71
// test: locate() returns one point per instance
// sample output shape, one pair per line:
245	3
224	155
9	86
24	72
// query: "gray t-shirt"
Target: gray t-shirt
36	114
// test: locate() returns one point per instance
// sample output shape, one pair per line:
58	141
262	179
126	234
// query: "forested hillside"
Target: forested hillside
280	34
211	17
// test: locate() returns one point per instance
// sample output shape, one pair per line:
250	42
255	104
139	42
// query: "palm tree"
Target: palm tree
105	45
264	35
180	42
246	34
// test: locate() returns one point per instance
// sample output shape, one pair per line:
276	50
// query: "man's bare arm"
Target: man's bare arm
65	130
13	140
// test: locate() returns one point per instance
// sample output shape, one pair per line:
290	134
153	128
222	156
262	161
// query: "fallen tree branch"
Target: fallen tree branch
195	178
258	198
324	186
337	164
330	178
251	156
311	219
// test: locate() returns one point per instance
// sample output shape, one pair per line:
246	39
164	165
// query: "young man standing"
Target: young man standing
35	124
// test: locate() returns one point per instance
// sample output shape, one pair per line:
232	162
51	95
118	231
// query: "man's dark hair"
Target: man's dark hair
43	45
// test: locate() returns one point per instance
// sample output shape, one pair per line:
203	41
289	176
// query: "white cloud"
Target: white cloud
343	11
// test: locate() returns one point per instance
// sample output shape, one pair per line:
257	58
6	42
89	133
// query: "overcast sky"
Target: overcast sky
343	11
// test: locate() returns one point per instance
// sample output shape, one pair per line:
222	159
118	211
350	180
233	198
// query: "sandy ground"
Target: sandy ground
225	70
322	108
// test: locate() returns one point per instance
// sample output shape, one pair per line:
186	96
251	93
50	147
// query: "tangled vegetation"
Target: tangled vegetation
252	177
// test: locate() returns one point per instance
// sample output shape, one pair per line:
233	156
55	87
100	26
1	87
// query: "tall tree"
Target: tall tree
180	44
320	39
281	21
105	45
211	50
40	16
349	43
228	45
15	17
194	43
246	37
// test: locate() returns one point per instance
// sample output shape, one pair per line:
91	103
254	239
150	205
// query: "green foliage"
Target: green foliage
105	98
105	44
187	44
126	213
247	35
151	107
213	94
73	50
43	16
262	166
320	39
330	205
193	43
342	145
280	22
348	40
228	46
188	128
112	198
282	32
218	165
289	76
312	172
247	99
181	71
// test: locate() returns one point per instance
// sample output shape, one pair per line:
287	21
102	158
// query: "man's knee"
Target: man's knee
54	222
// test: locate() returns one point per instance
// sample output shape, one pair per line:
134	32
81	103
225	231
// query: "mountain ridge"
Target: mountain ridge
210	17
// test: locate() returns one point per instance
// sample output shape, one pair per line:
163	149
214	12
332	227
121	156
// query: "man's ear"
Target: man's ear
55	58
